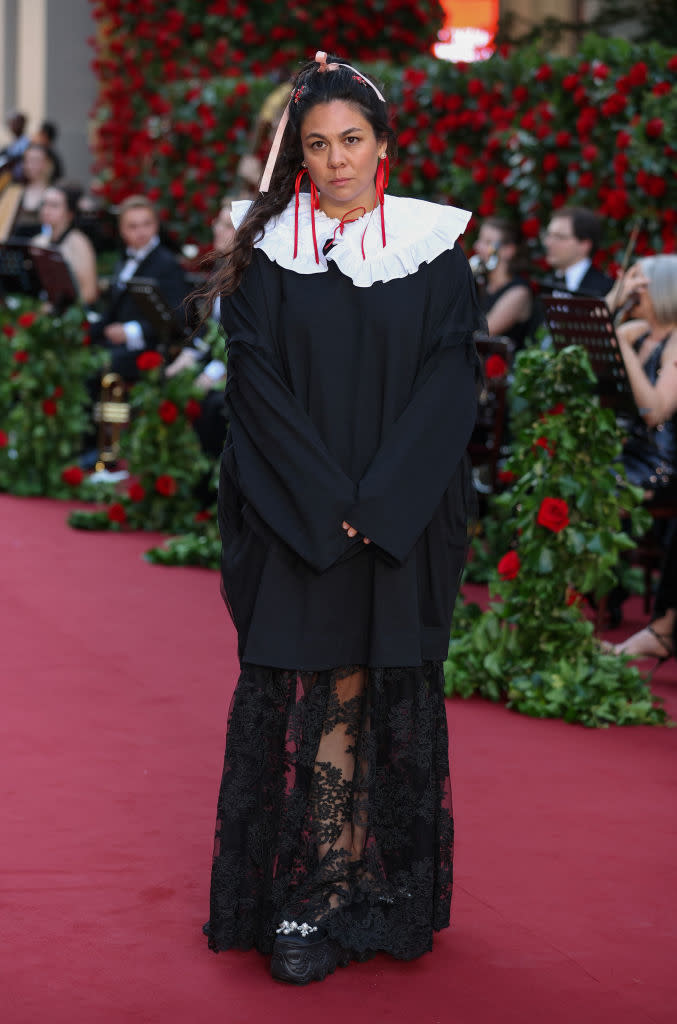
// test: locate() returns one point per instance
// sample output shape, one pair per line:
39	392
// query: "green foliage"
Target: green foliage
562	521
201	547
163	457
45	362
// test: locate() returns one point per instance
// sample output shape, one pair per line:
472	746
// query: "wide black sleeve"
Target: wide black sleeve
284	468
406	480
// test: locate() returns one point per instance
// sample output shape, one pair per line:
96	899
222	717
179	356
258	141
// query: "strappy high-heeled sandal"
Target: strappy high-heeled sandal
664	640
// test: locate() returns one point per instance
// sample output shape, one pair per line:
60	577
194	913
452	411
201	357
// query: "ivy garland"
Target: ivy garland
566	509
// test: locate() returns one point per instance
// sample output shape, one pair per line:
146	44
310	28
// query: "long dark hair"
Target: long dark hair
309	88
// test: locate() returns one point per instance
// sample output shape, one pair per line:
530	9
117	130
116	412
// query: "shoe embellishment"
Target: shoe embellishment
291	927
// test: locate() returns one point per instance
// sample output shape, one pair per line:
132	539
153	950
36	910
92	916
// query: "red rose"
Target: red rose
49	407
654	128
672	63
27	319
149	360
166	485
4	439
555	410
57	393
167	411
204	516
553	514
662	88
509	566
21	356
550	162
562	139
193	410
8	331
600	71
116	513
637	75
495	367
72	475
573	597
544	73
506	476
623	140
589	153
429	169
542	442
531	227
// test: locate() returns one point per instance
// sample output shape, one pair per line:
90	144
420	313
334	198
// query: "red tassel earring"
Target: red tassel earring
382	179
314	205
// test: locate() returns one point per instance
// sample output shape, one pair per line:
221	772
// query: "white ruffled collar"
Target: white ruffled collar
416	232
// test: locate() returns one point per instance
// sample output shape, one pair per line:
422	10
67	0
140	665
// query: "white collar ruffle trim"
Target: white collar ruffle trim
416	232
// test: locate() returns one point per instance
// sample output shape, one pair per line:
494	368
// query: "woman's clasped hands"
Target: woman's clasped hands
352	532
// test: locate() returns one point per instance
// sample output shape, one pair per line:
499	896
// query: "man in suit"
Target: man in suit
123	328
570	241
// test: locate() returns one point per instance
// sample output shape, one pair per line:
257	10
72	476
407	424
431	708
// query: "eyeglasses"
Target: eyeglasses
557	236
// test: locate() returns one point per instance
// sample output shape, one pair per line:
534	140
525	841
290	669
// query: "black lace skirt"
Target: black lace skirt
335	809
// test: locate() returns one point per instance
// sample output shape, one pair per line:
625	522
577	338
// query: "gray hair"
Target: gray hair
661	272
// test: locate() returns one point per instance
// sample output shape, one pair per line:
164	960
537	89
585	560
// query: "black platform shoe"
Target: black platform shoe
303	953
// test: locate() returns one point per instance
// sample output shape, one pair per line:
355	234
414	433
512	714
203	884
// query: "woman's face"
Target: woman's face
342	153
54	210
35	164
637	283
223	231
488	244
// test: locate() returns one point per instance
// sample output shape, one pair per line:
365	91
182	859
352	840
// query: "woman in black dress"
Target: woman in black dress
342	505
648	344
505	296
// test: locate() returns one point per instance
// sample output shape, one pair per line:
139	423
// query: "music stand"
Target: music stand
586	321
17	271
153	308
55	277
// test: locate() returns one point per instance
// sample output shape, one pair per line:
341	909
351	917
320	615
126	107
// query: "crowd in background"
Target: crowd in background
56	213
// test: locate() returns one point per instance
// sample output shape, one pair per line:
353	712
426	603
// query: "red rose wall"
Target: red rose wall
521	132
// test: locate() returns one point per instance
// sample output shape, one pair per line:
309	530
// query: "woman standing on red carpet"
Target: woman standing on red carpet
342	507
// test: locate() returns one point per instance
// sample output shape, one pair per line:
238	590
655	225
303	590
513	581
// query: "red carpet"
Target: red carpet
116	681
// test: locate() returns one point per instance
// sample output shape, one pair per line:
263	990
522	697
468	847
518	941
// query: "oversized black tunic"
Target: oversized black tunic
347	403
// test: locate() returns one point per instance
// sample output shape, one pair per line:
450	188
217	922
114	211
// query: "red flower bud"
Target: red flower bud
149	360
495	367
72	475
136	492
509	566
654	128
193	410
21	356
27	319
8	331
553	514
116	513
49	407
167	411
166	485
506	476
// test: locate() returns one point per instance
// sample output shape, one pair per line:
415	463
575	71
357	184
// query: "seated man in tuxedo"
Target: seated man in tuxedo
123	328
570	241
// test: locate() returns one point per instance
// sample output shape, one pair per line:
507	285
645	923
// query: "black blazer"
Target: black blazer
163	268
595	283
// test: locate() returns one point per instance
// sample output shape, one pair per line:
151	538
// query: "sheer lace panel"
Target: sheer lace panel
335	808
